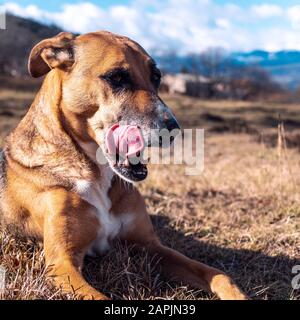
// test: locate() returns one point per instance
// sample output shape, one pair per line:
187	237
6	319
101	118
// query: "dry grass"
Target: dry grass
241	214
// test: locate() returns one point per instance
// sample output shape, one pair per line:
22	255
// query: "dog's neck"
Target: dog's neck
42	142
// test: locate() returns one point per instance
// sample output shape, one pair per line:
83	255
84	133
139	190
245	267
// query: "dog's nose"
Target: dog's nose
172	124
173	129
164	127
168	131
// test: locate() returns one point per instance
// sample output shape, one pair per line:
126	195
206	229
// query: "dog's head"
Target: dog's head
105	79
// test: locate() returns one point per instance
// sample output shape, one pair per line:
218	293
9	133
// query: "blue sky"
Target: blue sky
181	25
54	4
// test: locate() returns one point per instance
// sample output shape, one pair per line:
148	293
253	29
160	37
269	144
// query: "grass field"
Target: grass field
242	214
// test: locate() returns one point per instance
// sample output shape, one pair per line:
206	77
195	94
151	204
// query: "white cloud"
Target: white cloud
267	10
78	18
185	26
294	15
223	23
30	11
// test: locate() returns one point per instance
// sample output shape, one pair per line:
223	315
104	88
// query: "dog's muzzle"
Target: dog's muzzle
126	141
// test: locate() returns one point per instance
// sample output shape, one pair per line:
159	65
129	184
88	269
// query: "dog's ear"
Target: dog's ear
56	52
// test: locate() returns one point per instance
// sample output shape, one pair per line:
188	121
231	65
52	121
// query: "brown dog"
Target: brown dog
51	183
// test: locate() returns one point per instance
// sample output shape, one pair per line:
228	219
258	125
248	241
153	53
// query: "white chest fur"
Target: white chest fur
96	193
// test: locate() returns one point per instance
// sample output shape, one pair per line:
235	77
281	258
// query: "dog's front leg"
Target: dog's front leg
69	228
174	264
180	268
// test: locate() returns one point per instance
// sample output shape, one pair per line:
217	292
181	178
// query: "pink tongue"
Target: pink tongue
125	140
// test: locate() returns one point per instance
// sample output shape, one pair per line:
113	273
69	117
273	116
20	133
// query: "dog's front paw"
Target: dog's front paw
224	287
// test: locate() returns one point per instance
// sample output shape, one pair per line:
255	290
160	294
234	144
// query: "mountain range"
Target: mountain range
283	66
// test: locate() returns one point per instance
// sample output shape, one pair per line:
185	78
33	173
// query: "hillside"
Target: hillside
284	66
17	40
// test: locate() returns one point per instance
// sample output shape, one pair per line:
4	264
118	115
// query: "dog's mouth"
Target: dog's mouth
130	169
124	146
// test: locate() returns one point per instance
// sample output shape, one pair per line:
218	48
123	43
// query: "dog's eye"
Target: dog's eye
156	77
118	79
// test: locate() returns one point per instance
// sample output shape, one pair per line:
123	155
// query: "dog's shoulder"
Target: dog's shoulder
39	148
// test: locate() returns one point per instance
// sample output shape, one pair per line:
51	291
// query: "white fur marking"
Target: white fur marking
96	193
82	186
